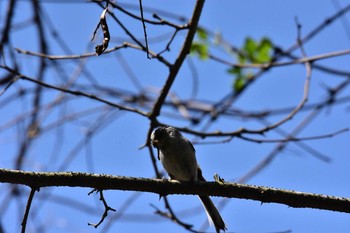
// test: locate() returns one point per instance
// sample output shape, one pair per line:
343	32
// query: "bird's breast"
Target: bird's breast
179	161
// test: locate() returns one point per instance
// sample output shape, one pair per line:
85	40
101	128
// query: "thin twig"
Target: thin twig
278	64
160	22
294	139
144	29
106	206
77	93
26	213
171	215
272	155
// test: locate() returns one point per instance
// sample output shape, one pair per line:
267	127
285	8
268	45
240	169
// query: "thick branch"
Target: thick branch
166	187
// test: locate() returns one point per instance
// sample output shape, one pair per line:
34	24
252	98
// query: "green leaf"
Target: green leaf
235	70
239	83
264	51
202	34
200	49
250	47
241	58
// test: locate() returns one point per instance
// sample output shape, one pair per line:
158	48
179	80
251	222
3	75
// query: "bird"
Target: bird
178	158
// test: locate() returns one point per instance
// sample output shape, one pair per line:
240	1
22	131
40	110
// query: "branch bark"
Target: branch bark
166	187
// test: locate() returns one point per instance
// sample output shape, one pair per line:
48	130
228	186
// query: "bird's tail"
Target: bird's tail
213	214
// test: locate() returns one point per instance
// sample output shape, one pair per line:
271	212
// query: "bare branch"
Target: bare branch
277	64
26	213
168	187
106	206
180	59
77	93
144	29
293	139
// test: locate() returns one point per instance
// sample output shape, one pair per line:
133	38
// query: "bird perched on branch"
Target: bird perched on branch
178	157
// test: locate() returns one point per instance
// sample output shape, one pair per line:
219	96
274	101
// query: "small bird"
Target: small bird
178	157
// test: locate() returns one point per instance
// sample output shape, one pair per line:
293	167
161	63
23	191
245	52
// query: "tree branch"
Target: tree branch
180	59
26	213
167	187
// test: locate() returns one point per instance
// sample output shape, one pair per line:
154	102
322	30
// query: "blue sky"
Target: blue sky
114	148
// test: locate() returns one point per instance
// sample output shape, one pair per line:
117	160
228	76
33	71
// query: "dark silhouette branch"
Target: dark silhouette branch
168	187
73	92
26	213
174	69
106	206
